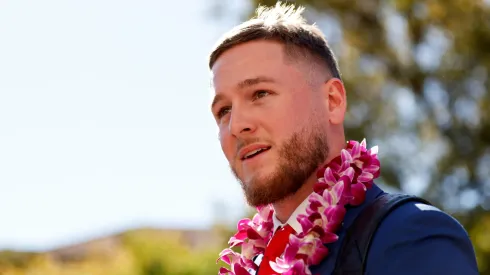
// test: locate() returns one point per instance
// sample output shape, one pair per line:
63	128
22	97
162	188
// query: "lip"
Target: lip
247	149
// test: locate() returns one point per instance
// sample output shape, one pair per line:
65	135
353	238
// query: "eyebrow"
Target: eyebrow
249	82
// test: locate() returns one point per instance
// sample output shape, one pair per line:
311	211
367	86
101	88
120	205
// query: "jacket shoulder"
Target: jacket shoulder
421	239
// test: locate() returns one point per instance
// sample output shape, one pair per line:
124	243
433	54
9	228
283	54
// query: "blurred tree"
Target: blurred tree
416	74
139	252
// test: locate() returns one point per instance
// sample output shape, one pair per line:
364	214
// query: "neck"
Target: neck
284	208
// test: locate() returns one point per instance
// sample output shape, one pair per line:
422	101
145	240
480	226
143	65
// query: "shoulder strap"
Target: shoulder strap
355	247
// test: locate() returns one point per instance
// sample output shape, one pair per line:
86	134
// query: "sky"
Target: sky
105	121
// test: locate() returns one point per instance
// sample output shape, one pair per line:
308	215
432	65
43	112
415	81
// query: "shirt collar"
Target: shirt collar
351	214
292	221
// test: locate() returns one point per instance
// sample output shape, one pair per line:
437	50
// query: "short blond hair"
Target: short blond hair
282	23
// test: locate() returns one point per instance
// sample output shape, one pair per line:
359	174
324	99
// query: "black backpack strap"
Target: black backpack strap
355	247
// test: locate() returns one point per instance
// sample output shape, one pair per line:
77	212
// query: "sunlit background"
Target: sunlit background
105	121
106	133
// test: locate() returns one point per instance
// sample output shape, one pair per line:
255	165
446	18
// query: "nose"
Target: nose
240	123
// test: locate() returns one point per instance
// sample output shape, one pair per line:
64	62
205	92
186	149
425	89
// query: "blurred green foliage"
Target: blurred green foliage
417	79
139	252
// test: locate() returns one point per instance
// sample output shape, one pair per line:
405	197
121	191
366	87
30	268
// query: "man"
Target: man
280	104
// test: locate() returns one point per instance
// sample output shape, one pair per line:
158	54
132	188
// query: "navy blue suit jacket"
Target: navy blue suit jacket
413	239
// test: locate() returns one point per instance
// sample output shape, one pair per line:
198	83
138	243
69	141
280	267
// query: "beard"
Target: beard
299	157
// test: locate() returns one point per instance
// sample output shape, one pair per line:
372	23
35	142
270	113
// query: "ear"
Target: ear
334	91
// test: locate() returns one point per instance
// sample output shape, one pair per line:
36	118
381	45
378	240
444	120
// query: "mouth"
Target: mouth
255	153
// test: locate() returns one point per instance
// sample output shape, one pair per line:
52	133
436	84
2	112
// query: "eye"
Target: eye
222	112
260	93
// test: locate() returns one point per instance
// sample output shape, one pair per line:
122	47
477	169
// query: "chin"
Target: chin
259	178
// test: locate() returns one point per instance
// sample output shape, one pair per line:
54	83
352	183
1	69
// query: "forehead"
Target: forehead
248	61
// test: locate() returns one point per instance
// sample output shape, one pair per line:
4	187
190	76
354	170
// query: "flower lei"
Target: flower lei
341	182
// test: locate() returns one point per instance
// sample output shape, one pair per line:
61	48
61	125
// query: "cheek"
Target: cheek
296	122
290	118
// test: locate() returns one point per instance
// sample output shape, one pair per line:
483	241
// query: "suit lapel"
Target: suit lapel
353	212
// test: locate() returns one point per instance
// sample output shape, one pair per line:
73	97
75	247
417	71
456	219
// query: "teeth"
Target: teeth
253	153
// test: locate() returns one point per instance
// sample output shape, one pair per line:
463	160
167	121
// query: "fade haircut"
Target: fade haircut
286	25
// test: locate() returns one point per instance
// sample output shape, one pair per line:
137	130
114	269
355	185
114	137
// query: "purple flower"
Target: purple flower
312	247
297	267
359	193
343	181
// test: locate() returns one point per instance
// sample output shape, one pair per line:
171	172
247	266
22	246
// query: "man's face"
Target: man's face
272	121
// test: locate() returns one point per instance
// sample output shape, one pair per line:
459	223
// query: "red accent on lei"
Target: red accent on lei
274	249
341	182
